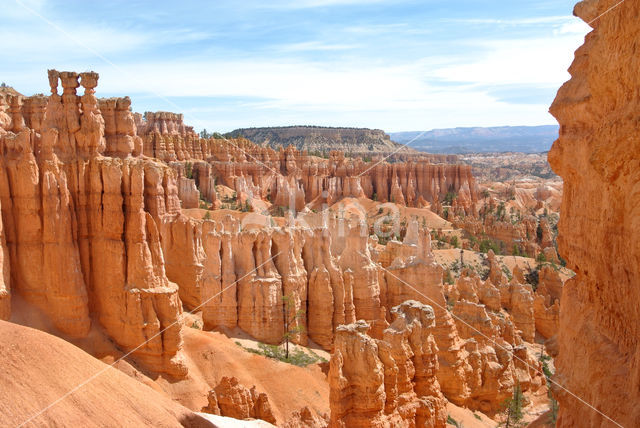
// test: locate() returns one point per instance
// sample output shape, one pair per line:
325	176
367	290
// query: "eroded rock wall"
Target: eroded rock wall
387	382
81	229
599	230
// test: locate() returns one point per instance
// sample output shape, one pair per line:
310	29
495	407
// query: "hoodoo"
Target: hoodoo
129	235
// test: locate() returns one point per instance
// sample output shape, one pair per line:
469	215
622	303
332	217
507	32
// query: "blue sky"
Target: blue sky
398	65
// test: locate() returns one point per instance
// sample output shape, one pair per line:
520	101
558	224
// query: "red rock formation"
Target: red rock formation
305	418
599	230
291	178
230	398
131	259
389	382
89	223
5	283
365	276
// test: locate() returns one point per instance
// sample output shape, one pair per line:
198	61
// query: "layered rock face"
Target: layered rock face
81	230
230	398
289	177
388	382
599	231
487	355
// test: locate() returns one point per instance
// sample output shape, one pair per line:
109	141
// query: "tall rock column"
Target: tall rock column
38	217
366	285
259	287
5	279
599	230
287	248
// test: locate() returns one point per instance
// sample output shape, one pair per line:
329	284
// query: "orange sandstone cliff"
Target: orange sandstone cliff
81	235
597	155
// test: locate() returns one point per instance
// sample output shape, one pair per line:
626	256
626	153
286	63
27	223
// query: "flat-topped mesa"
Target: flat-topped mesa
597	155
91	224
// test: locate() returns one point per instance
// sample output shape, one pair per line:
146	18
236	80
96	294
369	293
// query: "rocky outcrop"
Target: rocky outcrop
5	284
291	178
599	230
230	398
305	418
81	229
364	277
388	382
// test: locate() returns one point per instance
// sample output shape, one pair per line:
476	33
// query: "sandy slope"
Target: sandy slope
212	355
37	369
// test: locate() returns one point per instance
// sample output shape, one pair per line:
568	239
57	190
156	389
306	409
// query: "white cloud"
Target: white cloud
45	43
543	20
395	96
533	61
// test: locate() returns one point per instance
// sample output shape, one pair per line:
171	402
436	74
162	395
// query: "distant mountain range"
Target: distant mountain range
526	139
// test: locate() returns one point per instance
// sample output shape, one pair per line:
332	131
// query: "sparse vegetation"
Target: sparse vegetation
279	211
507	272
488	244
453	422
296	357
548	374
188	170
449	198
292	327
204	134
448	279
532	277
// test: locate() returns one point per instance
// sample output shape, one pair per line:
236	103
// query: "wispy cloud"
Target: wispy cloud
315	46
407	67
308	4
544	20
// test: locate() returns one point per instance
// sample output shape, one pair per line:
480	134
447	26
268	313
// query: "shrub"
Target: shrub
488	244
541	258
448	279
453	422
449	198
296	357
532	277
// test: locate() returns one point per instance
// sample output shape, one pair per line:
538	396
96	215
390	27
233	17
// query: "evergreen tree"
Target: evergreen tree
513	409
